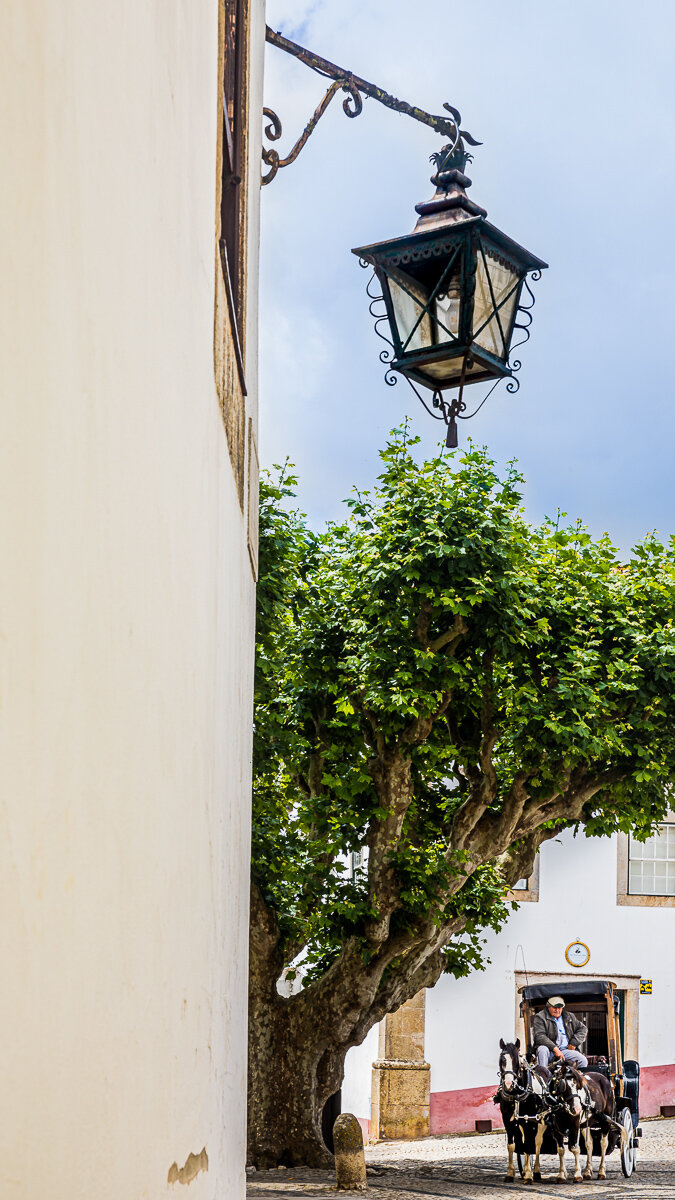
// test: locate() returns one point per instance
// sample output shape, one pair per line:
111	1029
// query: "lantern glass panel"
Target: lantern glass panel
447	308
503	280
408	298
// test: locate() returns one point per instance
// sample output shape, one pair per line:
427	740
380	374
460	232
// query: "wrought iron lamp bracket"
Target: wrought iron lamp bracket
356	88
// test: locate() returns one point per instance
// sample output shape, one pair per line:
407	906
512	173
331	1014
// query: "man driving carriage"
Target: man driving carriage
557	1034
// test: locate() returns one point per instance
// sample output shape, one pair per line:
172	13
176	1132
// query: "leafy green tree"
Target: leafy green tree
442	686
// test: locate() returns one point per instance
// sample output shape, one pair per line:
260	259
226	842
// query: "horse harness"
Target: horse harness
547	1099
521	1092
586	1102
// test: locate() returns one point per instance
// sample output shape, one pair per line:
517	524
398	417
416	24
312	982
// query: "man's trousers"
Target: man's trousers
545	1057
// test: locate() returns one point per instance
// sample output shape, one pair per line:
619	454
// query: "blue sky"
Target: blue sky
575	105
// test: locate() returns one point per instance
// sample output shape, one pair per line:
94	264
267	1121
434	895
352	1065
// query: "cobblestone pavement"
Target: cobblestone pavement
472	1168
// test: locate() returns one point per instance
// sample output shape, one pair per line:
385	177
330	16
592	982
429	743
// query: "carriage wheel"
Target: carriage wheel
628	1153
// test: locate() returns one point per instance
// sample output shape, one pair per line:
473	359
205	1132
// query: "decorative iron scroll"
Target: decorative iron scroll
356	88
352	105
522	322
386	356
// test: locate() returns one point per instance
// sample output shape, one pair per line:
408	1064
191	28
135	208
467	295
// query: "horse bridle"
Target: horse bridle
559	1102
520	1091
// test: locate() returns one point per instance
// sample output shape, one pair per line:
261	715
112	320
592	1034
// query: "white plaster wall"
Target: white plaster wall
465	1018
577	900
126	615
358	1075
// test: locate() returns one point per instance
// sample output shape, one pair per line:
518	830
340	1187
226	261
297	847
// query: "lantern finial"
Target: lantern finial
450	203
448	159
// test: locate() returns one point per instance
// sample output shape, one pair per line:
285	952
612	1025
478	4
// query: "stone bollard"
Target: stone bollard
350	1163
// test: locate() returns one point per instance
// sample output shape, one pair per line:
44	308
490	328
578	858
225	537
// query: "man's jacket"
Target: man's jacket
545	1029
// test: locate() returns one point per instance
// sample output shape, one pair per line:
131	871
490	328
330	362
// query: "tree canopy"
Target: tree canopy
441	686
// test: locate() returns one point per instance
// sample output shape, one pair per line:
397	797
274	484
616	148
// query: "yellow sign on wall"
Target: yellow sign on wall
645	987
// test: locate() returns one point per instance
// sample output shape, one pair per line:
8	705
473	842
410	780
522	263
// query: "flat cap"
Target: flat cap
556	1002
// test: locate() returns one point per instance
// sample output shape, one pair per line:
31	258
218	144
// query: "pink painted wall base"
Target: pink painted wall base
457	1112
657	1087
365	1127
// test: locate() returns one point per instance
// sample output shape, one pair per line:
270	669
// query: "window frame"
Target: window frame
235	188
232	116
623	894
530	894
231	216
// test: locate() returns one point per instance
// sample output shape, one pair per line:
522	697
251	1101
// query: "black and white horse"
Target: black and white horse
522	1099
583	1103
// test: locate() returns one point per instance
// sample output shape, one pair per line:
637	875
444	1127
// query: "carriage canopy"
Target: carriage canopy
579	989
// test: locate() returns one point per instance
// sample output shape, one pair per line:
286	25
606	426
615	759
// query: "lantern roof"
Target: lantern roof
421	237
448	210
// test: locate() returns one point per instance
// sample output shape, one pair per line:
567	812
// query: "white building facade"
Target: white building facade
128	502
615	896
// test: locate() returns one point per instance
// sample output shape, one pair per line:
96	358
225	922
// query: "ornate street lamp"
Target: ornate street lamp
452	292
453	289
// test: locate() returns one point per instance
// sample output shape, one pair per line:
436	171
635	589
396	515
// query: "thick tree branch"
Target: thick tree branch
495	831
376	742
391	775
302	785
448	640
422	627
362	992
266	951
315	774
418	731
569	804
518	861
482	777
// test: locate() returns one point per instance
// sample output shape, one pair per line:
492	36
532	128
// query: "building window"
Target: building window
232	116
651	864
231	242
527	889
646	870
355	862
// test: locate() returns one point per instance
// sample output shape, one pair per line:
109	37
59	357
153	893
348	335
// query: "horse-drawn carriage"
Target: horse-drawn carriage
597	1004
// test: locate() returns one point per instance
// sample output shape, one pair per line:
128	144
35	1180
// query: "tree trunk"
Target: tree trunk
298	1044
292	1071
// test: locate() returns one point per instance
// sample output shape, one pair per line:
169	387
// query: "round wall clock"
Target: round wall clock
577	954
